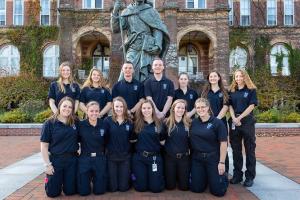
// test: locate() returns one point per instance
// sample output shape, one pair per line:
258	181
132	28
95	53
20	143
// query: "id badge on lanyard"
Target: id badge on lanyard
154	165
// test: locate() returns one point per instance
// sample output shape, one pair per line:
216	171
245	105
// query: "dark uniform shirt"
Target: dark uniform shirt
72	91
216	100
61	137
118	136
148	139
92	138
132	91
190	96
100	95
178	139
159	91
206	136
241	99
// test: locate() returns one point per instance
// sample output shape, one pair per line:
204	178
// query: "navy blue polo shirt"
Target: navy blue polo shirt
241	99
178	139
100	95
62	138
190	97
118	136
159	90
72	91
148	139
206	136
132	91
216	100
92	138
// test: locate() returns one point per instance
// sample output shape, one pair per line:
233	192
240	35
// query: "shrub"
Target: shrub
32	107
292	117
270	116
42	116
20	89
15	116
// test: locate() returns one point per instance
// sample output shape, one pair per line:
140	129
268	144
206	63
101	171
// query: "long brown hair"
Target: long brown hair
170	121
248	82
139	122
70	79
207	87
206	102
125	109
89	81
71	118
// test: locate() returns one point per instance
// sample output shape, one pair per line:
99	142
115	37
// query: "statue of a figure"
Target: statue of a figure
145	35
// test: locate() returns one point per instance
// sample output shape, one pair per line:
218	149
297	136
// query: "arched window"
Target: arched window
51	61
9	61
188	60
279	58
238	58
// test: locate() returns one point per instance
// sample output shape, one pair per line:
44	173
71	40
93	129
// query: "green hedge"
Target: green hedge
274	116
42	116
15	116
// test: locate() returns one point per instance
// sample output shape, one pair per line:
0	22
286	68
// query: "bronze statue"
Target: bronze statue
145	35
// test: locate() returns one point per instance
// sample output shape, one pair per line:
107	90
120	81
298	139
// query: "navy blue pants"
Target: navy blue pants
145	177
244	132
204	172
64	177
91	169
177	169
119	174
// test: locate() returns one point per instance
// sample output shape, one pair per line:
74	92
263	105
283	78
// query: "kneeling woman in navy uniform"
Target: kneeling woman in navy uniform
147	162
177	161
242	102
92	160
59	137
119	129
208	137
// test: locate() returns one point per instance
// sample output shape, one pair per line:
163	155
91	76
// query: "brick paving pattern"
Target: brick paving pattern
15	148
281	154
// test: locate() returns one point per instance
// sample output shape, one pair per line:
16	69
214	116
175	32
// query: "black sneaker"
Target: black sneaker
236	180
248	182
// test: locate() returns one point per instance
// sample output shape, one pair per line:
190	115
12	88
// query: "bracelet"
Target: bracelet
48	164
223	163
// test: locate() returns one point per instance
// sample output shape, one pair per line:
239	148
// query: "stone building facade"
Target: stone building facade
200	32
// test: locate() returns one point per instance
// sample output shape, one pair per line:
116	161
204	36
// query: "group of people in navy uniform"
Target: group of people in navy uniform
147	135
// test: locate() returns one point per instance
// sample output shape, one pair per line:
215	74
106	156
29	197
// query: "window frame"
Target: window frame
276	67
231	12
196	4
293	15
247	58
22	1
56	67
241	16
4	14
275	13
45	15
18	56
93	3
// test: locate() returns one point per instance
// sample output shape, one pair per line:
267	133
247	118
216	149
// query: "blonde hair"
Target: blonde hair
89	81
70	79
92	103
125	109
248	82
71	118
139	117
170	121
206	102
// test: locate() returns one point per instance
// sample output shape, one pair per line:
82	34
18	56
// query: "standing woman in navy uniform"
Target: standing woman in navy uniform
186	93
94	89
177	161
64	86
119	129
242	102
59	137
147	162
208	137
215	92
92	160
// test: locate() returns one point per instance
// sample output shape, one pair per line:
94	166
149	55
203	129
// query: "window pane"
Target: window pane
288	20
87	3
18	7
51	61
98	3
201	3
45	20
2	4
18	20
45	7
190	4
9	60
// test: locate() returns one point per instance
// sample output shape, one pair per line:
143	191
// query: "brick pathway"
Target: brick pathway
15	148
281	154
